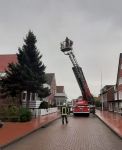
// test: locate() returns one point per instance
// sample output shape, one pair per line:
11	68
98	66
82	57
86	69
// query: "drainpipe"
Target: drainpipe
117	93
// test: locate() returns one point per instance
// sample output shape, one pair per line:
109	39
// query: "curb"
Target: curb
26	134
120	136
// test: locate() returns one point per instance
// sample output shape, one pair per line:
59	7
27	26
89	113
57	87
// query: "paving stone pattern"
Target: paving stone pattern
82	133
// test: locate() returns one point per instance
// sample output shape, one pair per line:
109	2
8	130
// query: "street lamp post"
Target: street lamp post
101	92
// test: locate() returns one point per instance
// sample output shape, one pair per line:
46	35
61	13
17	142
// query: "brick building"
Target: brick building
51	81
107	97
60	96
111	95
4	61
118	87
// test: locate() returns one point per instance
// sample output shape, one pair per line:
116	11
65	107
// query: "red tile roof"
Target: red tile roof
5	60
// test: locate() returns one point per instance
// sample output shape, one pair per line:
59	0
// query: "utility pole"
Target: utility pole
101	92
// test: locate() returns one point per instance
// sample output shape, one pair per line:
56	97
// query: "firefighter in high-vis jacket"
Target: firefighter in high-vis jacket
64	113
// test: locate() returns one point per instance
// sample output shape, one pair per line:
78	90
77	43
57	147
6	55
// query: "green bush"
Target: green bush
9	113
97	103
13	113
25	115
43	105
3	113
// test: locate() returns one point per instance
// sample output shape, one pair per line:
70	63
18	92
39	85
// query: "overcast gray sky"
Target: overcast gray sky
95	26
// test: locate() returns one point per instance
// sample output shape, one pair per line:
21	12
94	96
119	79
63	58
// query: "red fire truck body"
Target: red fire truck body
81	106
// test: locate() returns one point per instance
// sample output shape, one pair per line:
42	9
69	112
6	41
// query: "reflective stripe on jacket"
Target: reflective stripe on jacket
64	110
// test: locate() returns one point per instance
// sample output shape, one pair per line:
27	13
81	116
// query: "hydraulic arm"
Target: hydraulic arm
66	47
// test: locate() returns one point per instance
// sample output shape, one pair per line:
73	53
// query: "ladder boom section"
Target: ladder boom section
80	78
82	83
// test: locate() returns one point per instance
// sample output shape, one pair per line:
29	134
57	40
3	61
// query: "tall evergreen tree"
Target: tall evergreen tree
29	73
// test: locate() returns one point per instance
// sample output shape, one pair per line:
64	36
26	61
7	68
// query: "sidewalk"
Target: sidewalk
112	120
12	131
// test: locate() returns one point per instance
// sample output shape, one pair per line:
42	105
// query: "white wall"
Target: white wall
41	112
115	95
120	94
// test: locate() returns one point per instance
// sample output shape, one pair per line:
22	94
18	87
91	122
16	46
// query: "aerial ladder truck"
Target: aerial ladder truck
80	105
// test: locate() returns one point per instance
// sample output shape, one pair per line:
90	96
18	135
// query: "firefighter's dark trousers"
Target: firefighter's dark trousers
64	119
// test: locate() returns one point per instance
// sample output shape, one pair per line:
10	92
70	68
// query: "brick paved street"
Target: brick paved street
81	133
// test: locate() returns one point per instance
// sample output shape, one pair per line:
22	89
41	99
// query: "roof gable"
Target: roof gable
50	77
60	89
119	73
5	60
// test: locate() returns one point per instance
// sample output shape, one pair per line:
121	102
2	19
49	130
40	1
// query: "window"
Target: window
24	96
120	80
33	97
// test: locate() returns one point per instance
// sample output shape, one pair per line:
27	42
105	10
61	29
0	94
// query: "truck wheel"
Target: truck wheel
87	115
74	114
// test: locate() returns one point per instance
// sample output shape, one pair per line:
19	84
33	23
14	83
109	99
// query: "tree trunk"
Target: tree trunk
20	98
28	99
